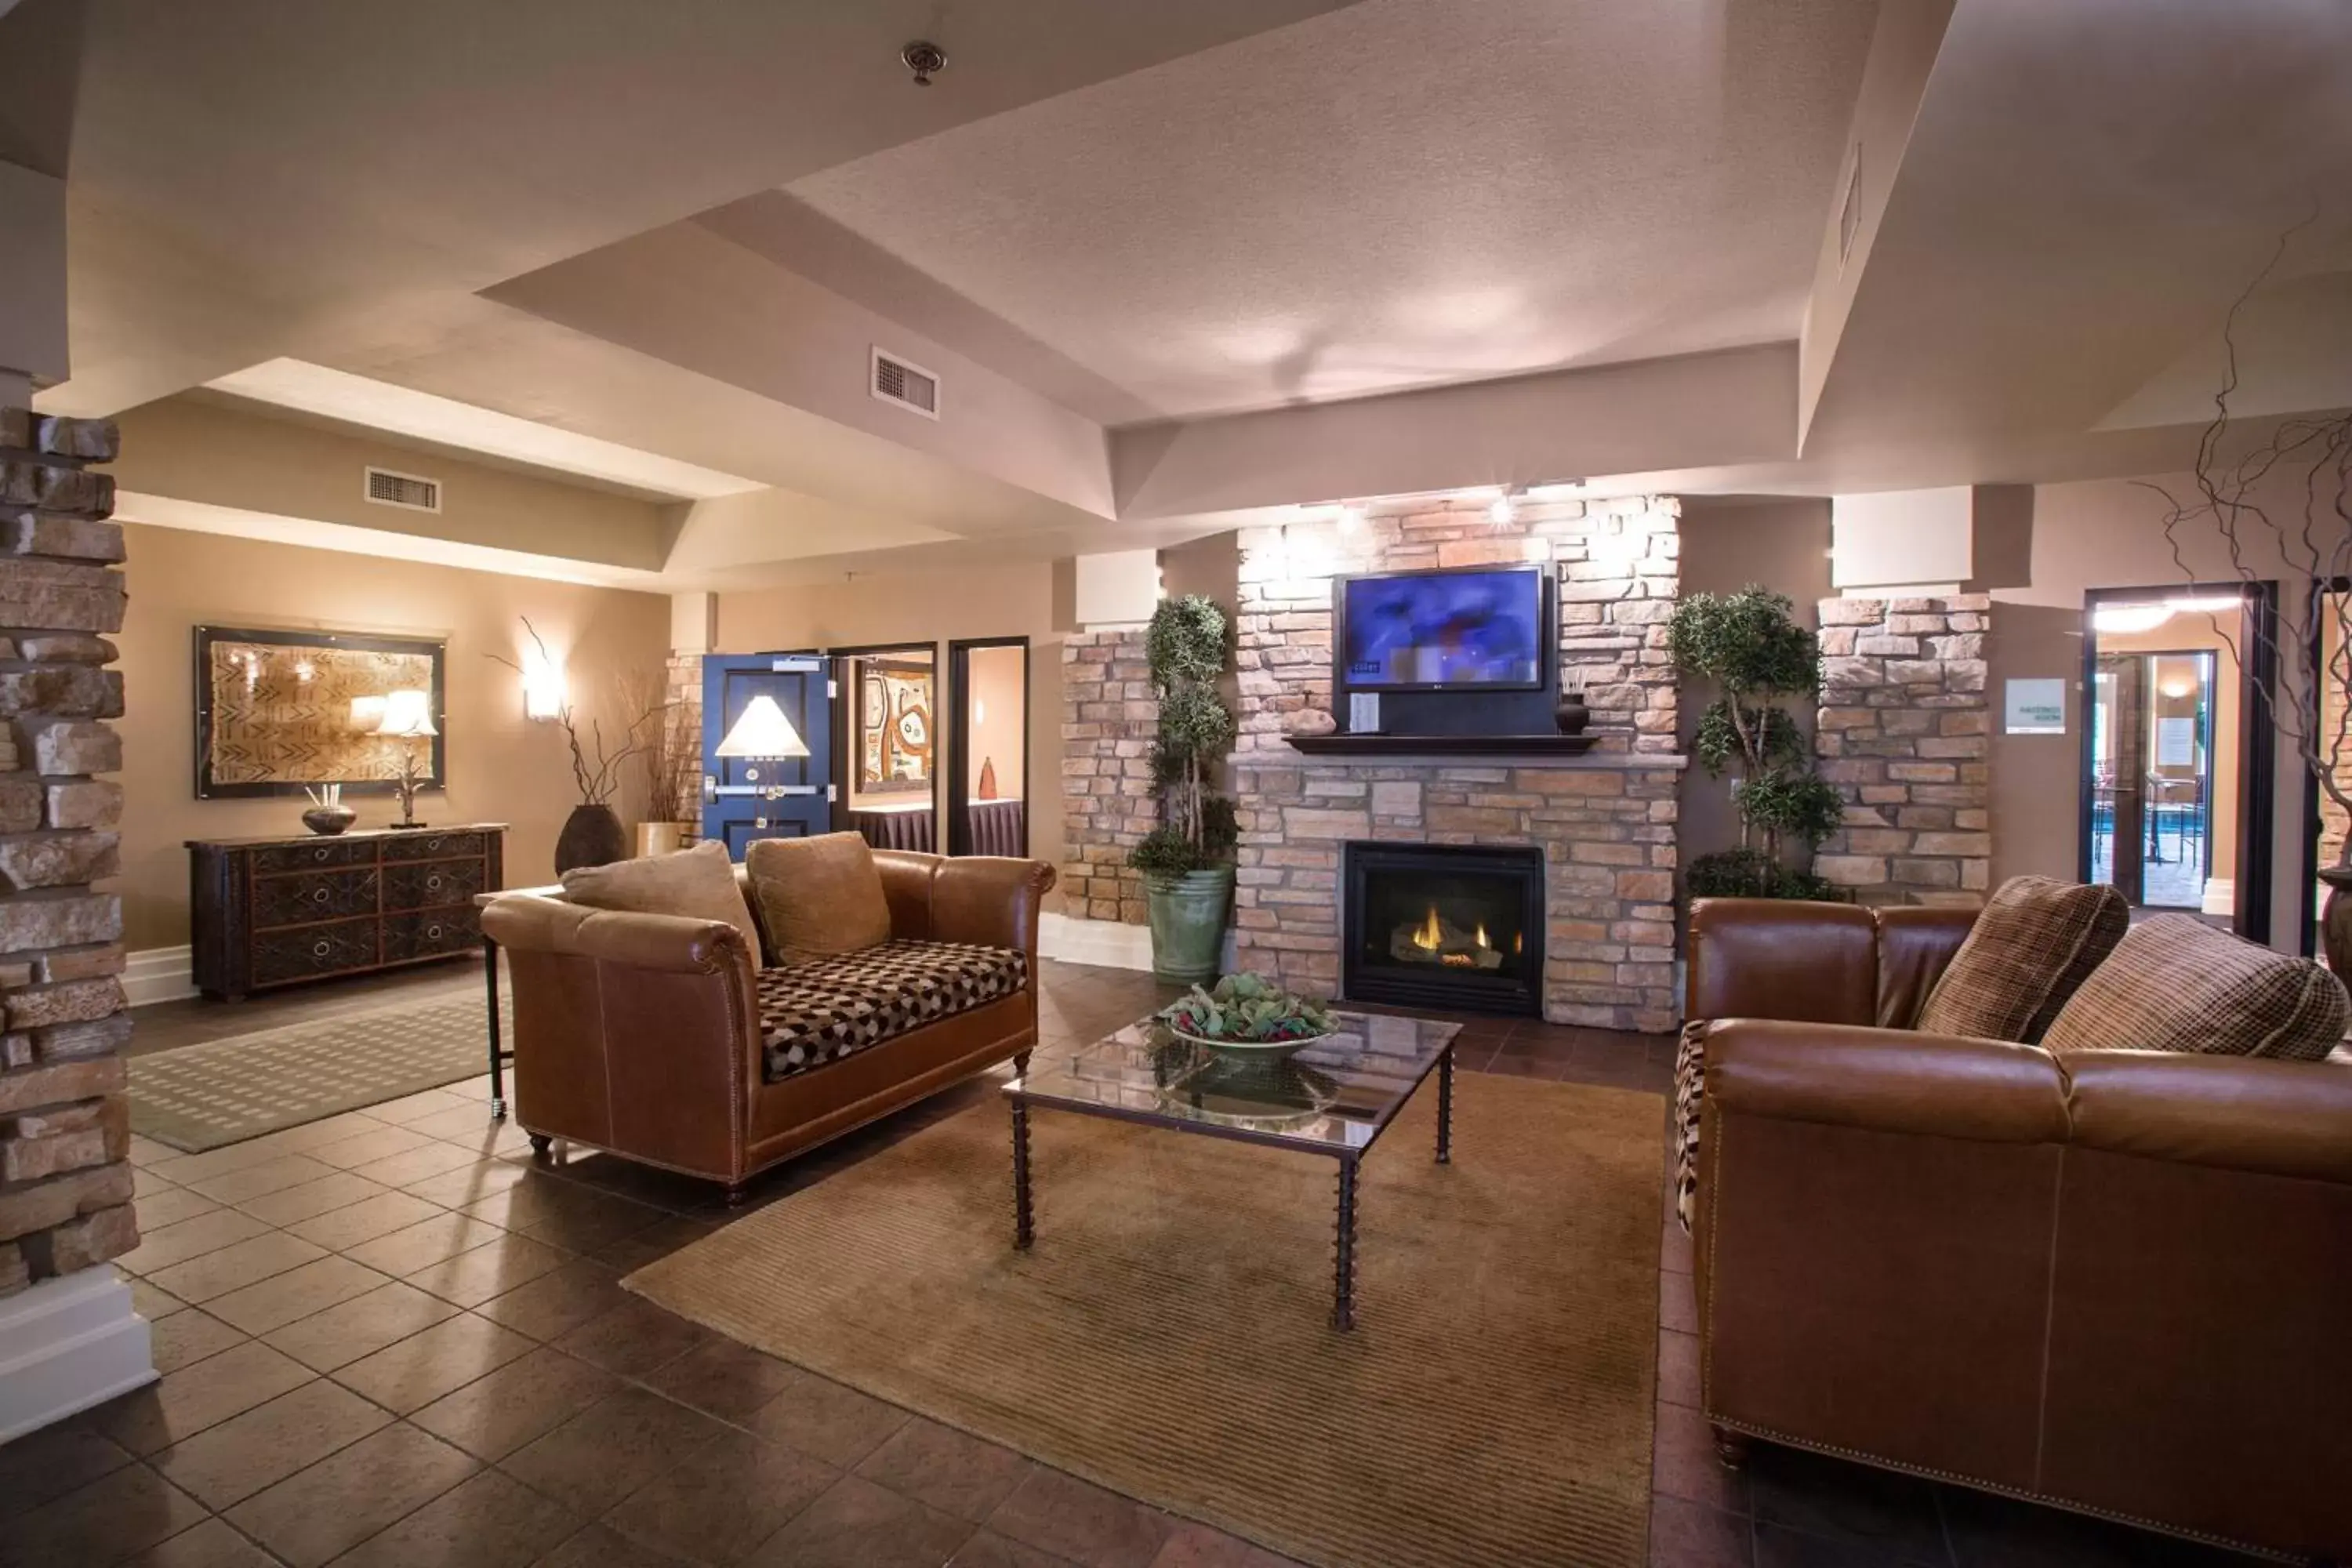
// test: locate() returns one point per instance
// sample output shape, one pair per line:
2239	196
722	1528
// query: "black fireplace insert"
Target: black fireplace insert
1441	925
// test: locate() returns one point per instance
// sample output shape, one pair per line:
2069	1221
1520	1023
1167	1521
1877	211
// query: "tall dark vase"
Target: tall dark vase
2335	921
592	835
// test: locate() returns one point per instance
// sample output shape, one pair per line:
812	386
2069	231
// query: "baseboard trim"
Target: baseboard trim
1113	944
158	974
66	1344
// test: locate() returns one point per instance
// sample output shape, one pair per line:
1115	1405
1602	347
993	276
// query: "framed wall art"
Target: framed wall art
894	726
278	713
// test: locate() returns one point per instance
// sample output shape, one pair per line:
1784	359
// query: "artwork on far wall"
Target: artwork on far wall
278	712
894	727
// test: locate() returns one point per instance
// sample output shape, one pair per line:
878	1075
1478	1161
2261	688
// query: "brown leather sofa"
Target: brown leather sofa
640	1034
2116	1281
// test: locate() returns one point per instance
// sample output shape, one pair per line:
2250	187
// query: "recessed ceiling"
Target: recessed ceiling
1399	193
421	415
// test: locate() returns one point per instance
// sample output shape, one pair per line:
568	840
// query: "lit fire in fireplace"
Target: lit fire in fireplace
1437	941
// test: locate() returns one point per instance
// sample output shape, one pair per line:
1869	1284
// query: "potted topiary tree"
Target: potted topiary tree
1186	861
1750	645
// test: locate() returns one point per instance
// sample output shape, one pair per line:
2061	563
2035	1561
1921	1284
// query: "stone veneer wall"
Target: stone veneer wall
683	687
1903	734
1110	718
65	1128
1607	830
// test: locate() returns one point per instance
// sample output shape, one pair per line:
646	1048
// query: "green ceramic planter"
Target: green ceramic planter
1187	922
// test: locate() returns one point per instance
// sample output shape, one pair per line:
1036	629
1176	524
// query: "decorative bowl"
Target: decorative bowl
1263	1050
328	820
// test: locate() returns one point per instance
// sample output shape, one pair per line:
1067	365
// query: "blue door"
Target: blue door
743	798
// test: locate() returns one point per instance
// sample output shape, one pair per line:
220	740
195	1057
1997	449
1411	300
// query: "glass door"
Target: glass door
889	755
988	764
2163	751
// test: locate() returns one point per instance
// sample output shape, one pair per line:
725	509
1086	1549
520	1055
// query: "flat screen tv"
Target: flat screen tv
1477	628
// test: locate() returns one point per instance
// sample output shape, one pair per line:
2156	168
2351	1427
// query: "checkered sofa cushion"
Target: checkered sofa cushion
2032	948
2178	985
833	1008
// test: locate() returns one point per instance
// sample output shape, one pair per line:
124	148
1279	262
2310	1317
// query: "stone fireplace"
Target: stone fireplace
1601	825
1442	925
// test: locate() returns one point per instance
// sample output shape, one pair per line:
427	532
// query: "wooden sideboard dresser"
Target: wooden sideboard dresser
274	911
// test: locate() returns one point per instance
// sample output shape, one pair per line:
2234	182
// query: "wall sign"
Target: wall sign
2034	707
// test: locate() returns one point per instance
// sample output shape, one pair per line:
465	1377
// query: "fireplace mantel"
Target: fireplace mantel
1454	752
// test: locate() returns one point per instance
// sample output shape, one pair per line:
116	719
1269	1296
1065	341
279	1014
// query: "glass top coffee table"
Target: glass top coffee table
1334	1098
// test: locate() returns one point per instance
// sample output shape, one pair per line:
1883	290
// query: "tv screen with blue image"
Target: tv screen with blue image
1478	628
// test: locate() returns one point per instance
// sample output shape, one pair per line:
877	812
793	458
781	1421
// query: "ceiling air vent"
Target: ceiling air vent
909	385
387	489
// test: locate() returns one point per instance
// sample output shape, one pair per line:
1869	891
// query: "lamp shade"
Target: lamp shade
407	713
763	732
367	715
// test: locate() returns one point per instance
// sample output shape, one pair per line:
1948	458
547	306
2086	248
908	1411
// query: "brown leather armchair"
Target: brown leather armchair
640	1034
2116	1281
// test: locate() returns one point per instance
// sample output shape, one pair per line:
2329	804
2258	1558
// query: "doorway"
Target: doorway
988	746
890	744
2175	792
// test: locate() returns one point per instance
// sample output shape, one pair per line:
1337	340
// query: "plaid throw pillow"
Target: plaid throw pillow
2178	985
2035	943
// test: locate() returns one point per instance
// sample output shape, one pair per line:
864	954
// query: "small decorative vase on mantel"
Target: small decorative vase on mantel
2335	921
592	835
1570	714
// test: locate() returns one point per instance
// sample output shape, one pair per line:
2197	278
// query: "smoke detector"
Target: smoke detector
925	58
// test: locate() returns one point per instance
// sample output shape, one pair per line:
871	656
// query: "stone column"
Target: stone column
65	1182
1904	735
1109	718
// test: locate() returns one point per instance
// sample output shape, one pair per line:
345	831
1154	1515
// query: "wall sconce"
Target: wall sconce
543	691
980	711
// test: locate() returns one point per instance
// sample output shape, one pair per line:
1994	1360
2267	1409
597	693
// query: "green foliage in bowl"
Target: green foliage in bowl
1247	1009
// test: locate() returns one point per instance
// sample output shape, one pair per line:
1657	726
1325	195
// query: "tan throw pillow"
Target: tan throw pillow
2033	945
817	896
2178	985
699	883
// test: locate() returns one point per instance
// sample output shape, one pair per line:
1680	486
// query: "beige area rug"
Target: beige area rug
225	1091
1169	1335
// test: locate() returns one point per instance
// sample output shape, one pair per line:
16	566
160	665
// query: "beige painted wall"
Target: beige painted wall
998	722
2107	533
1781	545
1019	598
502	766
198	447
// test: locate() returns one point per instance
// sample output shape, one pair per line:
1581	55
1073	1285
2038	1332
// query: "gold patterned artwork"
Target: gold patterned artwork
278	713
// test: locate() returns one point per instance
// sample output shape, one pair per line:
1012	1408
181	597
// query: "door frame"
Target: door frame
2307	917
844	722
959	802
2257	737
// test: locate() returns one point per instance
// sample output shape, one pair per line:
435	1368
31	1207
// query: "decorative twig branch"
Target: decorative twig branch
2308	640
596	767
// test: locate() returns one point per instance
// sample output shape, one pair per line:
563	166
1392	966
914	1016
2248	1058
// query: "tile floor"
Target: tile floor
389	1338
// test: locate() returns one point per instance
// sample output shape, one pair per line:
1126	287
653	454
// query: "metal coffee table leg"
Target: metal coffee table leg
1343	1283
1445	1108
1024	1233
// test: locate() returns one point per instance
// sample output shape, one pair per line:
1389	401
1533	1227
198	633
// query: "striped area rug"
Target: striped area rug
1168	1337
225	1091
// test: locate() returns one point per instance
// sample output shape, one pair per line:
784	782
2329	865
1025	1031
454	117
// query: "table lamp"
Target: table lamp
407	717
